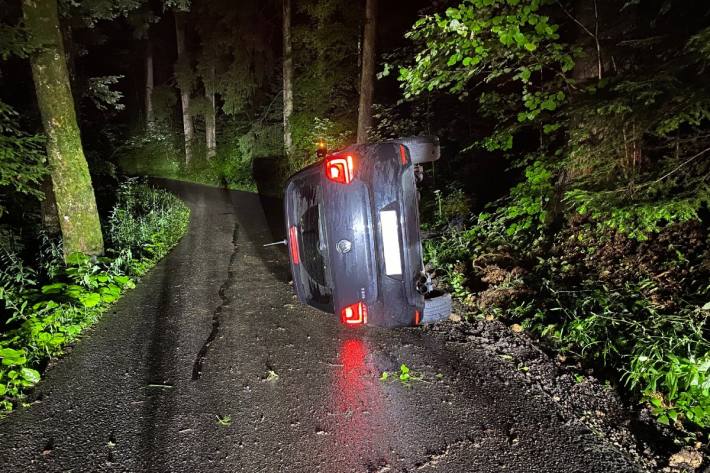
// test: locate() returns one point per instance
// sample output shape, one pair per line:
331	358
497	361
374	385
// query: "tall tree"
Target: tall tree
208	19
149	84
287	76
367	75
211	112
184	79
74	193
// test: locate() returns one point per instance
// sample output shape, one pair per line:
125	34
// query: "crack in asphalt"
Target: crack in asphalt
217	314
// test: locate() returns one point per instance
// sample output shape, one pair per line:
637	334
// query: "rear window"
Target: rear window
315	274
313	246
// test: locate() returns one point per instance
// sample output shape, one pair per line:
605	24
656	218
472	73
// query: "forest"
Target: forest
571	201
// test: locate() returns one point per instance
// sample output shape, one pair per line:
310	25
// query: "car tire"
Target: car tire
436	309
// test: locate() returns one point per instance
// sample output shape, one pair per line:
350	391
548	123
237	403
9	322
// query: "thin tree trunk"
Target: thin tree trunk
187	125
367	77
71	181
149	116
287	77
211	117
589	64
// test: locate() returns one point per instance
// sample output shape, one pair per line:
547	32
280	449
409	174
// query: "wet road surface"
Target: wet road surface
214	332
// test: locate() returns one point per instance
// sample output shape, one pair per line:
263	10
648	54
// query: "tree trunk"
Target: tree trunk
50	219
590	64
187	125
74	193
211	116
288	77
149	115
367	75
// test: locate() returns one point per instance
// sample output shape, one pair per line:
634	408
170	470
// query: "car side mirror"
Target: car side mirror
422	149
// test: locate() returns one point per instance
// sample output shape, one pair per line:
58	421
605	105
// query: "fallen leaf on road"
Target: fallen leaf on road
271	376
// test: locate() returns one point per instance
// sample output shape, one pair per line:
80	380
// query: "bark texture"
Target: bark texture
71	182
287	76
187	124
211	116
50	218
367	75
149	84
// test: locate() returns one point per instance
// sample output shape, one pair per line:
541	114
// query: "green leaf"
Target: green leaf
663	420
55	288
76	259
91	299
525	74
30	375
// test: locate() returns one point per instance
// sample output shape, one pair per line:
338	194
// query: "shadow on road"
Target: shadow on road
261	217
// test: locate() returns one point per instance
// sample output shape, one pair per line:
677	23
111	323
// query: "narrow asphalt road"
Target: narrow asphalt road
214	331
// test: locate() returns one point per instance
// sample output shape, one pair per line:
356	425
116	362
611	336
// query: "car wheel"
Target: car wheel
436	308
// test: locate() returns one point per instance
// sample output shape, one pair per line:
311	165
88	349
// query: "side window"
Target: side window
313	247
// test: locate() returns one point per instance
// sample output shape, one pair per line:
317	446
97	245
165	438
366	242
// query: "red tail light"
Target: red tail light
417	317
293	244
355	314
403	154
340	168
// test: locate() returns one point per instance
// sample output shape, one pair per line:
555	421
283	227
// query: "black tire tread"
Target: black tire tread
436	309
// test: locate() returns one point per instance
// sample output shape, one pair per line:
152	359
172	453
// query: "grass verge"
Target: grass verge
49	306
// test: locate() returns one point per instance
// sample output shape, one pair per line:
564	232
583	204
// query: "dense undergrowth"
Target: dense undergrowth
601	248
637	306
46	306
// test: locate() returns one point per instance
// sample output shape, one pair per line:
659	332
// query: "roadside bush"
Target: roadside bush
632	297
45	313
144	224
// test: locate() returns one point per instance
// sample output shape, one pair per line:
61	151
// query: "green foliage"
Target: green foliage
325	42
102	95
23	163
156	153
14	41
44	317
600	248
325	46
512	36
145	222
404	375
637	220
511	50
677	388
529	201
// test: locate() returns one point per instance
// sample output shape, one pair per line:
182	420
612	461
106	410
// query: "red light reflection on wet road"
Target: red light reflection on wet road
361	423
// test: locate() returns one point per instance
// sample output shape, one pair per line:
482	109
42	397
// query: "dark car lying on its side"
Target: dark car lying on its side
353	235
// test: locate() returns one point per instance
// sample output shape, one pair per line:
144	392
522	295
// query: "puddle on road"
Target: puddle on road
362	426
